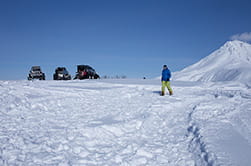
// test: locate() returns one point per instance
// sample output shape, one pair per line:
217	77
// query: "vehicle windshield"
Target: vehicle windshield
63	72
36	69
81	68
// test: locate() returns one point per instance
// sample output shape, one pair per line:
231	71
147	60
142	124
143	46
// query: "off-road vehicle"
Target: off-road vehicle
86	72
61	74
36	73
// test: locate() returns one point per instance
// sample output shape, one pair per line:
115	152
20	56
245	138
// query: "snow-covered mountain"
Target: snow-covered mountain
232	62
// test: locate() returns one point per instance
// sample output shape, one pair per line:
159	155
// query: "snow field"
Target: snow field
123	123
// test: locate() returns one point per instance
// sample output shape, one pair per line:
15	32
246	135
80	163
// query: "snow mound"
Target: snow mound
232	62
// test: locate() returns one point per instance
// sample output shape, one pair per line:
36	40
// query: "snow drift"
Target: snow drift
232	62
124	123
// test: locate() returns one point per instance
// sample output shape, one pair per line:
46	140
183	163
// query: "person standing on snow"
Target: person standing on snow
165	79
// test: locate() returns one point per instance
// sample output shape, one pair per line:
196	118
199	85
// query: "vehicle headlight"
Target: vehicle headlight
60	75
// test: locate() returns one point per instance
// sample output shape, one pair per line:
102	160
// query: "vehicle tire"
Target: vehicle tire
43	78
96	76
76	77
54	77
30	77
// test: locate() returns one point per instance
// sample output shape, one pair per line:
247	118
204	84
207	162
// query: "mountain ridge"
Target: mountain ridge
231	62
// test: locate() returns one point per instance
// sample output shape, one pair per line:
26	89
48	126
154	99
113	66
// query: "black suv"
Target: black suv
36	73
86	72
61	74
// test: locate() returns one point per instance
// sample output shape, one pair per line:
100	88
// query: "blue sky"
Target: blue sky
116	37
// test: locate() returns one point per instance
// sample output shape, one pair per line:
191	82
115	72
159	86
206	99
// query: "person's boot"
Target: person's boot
162	93
170	93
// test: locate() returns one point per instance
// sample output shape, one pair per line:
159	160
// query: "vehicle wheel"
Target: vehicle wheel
96	76
29	77
76	77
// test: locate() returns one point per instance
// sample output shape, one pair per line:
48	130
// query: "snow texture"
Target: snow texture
232	62
124	122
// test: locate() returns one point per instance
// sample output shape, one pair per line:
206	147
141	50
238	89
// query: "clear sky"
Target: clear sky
116	37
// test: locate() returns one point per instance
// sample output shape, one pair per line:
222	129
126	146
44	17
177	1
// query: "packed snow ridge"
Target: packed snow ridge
232	62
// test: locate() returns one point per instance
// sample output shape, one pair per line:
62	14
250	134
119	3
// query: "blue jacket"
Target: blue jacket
166	75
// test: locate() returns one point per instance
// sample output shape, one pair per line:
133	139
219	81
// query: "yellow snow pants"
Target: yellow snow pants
166	84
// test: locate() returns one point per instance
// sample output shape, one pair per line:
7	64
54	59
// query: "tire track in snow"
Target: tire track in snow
197	146
202	113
